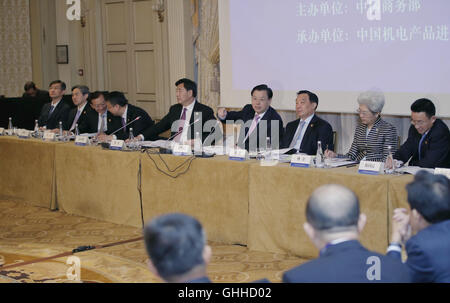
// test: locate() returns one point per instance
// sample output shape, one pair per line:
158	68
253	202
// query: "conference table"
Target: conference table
262	207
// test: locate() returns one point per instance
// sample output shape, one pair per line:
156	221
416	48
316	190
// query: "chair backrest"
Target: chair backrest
335	140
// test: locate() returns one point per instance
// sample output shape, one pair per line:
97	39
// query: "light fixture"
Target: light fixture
158	7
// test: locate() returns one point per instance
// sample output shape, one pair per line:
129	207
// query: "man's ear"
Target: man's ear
362	222
207	254
152	268
309	230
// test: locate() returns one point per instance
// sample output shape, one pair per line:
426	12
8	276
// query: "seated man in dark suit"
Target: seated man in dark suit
334	224
31	91
118	106
100	121
78	114
185	118
56	111
429	222
428	143
176	245
302	134
259	118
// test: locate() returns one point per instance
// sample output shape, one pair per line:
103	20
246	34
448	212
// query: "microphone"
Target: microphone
126	125
180	131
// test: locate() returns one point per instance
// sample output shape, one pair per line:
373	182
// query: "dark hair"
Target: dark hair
312	96
29	85
188	85
175	244
424	105
116	98
83	89
97	94
430	195
263	87
322	218
63	85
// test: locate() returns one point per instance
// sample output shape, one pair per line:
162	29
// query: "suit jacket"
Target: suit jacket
174	115
90	125
139	126
199	280
429	254
81	120
60	113
318	130
435	149
347	262
247	114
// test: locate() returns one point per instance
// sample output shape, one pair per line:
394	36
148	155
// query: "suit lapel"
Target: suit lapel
309	128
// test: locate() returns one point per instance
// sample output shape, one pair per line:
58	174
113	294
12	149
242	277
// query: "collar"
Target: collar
56	104
190	107
261	115
337	244
124	116
307	120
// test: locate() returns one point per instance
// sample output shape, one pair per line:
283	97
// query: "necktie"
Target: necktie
52	108
181	125
102	124
123	125
420	146
297	137
77	116
254	124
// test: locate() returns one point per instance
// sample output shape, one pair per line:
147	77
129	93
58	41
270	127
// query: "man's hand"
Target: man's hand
222	113
401	230
330	154
104	138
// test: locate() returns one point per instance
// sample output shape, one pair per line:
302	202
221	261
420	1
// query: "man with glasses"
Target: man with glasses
428	143
100	121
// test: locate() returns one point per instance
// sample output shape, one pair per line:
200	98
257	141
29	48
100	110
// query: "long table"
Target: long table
237	202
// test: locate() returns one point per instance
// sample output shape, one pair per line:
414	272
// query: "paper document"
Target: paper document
413	170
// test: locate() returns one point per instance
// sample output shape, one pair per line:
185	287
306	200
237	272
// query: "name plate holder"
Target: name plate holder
81	140
442	171
117	145
181	150
237	154
49	136
371	168
2	130
302	161
24	134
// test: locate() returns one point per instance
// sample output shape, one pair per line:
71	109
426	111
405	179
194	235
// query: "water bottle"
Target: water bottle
390	159
61	133
319	155
10	125
77	131
131	144
197	144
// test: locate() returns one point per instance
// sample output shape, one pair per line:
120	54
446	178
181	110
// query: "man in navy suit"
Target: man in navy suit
176	245
186	118
302	134
78	114
100	120
429	222
118	106
56	111
333	225
258	119
428	143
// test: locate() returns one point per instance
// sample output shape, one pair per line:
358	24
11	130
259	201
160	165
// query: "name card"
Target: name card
9	132
442	171
81	140
117	145
181	150
2	130
371	168
49	136
237	154
302	161
24	134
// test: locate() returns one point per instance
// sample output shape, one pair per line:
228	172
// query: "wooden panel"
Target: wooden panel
143	21
116	24
145	71
117	71
148	106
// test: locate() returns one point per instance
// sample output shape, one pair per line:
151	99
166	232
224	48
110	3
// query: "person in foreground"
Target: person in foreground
425	229
334	224
176	245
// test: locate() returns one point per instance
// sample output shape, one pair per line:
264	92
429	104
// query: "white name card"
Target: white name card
2	130
181	150
117	145
237	154
81	140
24	134
49	136
302	161
442	171
371	168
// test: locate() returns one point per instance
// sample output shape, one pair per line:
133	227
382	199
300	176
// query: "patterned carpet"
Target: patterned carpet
28	232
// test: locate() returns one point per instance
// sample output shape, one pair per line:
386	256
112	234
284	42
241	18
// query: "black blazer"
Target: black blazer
435	148
248	114
347	262
139	126
60	113
81	120
90	125
318	130
174	115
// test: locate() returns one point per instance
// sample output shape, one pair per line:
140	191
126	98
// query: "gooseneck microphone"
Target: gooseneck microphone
126	125
180	131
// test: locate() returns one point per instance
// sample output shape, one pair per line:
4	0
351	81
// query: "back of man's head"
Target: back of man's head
116	98
429	195
29	85
332	209
175	244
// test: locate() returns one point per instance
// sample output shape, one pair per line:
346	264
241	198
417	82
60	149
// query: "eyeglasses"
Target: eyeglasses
364	113
418	123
